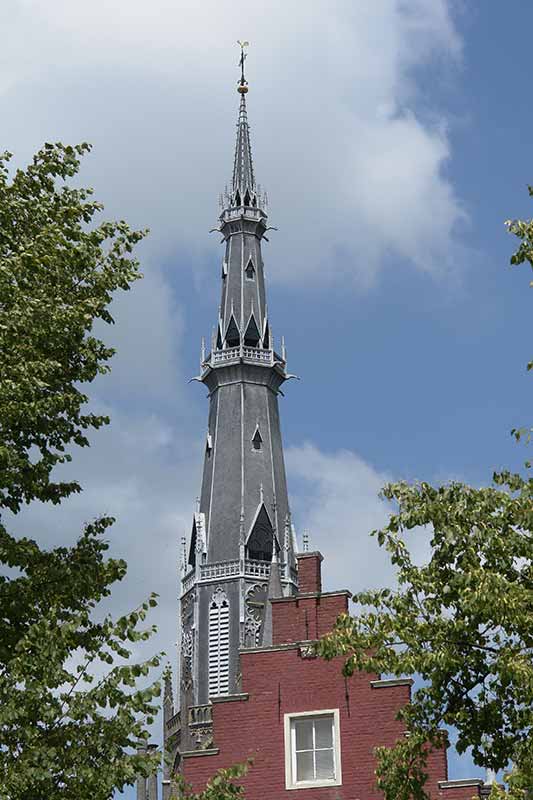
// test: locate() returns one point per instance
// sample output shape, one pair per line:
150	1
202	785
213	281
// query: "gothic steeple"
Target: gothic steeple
244	191
241	529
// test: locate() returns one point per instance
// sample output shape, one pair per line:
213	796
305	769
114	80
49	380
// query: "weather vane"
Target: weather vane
243	83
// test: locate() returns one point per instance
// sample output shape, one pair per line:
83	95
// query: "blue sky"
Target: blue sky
394	140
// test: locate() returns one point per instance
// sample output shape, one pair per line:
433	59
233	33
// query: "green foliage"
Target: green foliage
463	622
224	785
71	714
523	229
69	706
58	271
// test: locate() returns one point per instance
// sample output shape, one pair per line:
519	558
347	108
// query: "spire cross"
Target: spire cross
242	59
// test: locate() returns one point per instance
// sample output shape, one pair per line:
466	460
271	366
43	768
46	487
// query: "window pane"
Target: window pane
304	766
304	734
323	732
324	764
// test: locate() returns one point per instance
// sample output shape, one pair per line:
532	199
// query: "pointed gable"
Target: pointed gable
260	542
250	271
252	335
257	440
233	337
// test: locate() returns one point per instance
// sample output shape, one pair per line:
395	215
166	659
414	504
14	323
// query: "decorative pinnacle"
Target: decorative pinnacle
183	554
243	83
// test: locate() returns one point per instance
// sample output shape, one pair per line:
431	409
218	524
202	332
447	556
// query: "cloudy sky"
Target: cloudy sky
393	138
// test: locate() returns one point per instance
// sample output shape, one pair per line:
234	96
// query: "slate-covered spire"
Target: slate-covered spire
240	553
243	318
244	190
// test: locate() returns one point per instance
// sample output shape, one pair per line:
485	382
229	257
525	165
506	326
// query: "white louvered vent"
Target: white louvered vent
219	644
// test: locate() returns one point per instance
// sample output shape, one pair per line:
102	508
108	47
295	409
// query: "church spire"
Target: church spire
243	186
235	553
244	191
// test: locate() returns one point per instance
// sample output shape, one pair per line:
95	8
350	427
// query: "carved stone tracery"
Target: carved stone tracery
254	611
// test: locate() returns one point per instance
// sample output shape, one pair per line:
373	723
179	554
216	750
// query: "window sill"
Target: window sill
314	784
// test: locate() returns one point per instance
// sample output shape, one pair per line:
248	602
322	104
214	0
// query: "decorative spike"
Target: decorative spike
261	495
287	532
283	350
183	554
202	352
167	679
241	526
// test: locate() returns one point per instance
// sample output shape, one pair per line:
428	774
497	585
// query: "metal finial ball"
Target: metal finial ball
242	88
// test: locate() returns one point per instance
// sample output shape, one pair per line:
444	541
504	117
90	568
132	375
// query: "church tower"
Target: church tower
241	550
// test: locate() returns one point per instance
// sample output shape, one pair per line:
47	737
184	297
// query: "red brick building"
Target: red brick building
310	731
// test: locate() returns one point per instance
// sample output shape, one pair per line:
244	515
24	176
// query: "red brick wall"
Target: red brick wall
280	681
302	618
310	572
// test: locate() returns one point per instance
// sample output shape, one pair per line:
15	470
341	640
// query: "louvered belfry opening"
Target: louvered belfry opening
219	644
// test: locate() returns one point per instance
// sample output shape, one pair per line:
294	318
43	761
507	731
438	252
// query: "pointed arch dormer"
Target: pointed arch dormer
219	337
261	540
257	439
252	337
249	272
233	337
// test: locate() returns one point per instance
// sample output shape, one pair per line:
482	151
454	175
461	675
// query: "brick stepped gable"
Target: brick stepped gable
287	678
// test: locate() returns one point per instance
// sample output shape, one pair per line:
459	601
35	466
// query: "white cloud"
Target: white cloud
335	498
352	153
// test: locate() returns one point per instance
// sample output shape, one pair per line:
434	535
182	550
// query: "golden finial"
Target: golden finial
242	88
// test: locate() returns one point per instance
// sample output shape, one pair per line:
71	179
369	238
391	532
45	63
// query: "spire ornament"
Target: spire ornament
243	83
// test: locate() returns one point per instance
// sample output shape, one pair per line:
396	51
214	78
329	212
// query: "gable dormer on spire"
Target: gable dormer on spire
232	337
252	336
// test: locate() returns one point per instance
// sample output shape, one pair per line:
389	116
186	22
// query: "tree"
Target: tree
70	709
223	785
463	621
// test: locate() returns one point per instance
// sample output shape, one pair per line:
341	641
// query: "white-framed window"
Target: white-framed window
312	749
